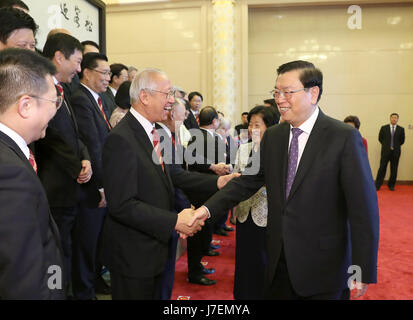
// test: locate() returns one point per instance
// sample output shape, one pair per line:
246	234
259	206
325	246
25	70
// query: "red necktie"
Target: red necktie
157	148
197	119
60	88
33	161
103	112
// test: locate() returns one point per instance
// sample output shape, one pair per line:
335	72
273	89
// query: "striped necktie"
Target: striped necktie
157	147
103	113
32	161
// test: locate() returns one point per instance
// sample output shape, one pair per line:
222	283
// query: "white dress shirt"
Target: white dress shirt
306	127
94	94
113	91
17	139
145	123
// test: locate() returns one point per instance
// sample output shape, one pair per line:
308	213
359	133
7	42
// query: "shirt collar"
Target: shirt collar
55	80
94	94
113	91
210	131
307	125
146	124
165	128
16	138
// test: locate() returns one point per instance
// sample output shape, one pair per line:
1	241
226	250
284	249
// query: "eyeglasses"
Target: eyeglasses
58	102
287	94
106	73
169	94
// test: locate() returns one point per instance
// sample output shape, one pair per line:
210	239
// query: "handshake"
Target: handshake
191	221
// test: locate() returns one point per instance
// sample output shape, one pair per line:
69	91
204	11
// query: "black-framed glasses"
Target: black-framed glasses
287	94
169	94
58	102
105	73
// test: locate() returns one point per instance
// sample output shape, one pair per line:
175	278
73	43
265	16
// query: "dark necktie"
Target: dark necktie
156	147
392	138
292	160
32	161
103	112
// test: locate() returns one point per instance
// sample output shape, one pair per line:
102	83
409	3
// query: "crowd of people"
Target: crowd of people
103	167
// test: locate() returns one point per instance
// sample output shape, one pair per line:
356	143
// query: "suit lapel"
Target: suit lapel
314	145
95	105
13	146
143	139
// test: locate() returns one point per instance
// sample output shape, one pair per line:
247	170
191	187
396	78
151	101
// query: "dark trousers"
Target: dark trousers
86	235
197	246
65	220
169	271
282	289
393	157
250	261
126	288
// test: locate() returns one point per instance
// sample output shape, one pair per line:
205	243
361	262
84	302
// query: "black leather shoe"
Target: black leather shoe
226	228
212	253
203	281
391	188
101	287
208	270
214	246
221	232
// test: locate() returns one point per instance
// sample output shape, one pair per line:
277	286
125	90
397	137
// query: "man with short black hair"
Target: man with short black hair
195	100
323	215
63	159
391	137
119	74
17	29
31	260
17	4
93	122
90	46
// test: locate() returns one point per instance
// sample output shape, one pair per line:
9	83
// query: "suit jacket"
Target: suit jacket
206	149
30	242
140	197
108	102
190	122
333	193
59	157
385	139
93	129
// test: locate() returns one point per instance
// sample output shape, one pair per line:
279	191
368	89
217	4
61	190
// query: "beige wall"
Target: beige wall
174	39
367	72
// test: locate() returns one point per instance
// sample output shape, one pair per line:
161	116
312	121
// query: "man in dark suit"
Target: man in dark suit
94	127
391	137
17	29
208	156
322	204
140	192
195	100
63	160
119	74
31	259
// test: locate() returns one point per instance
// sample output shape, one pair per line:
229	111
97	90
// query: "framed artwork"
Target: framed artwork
84	19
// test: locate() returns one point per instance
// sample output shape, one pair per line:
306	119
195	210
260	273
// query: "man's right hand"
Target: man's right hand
220	169
188	223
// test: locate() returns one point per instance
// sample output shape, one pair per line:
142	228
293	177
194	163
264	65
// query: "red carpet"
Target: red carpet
395	262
